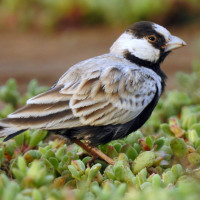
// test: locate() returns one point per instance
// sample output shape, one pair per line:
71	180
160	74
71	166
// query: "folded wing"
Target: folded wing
96	96
111	96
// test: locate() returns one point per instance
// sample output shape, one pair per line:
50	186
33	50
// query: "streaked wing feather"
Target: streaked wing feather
51	96
90	93
118	97
43	122
39	110
45	111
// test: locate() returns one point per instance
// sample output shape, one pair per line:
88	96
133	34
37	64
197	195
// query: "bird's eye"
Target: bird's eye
152	38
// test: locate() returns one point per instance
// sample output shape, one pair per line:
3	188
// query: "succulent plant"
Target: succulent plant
160	163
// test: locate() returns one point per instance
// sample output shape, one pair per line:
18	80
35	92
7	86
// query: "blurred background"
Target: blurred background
41	39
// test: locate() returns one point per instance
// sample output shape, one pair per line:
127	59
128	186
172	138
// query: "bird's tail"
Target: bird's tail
8	132
47	111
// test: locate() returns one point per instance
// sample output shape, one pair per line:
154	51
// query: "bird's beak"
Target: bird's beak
174	43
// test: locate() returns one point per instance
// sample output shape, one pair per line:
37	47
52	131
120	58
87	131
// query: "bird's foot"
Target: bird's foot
88	164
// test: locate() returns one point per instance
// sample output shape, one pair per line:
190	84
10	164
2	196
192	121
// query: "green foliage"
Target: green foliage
161	162
144	160
10	95
51	14
184	102
190	83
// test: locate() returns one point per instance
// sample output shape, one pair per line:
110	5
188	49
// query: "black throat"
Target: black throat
155	66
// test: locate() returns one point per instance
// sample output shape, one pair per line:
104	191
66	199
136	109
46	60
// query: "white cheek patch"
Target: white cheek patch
140	48
163	31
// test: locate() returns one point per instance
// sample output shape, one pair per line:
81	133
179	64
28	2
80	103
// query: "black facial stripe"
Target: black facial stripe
160	41
144	29
137	60
145	63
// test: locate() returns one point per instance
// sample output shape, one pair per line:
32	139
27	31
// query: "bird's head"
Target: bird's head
146	43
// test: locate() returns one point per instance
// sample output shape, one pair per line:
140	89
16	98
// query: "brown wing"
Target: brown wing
111	95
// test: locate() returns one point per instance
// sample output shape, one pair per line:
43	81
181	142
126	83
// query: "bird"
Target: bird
103	98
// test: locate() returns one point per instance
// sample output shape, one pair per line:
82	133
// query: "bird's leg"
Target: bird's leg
93	151
91	160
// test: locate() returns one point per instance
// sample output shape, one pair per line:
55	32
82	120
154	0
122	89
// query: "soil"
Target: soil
46	57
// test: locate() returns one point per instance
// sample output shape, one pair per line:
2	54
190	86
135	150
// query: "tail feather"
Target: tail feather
9	131
13	135
43	111
43	122
6	131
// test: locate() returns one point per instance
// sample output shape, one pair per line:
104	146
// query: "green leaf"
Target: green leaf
144	160
21	164
74	172
166	129
36	137
93	171
179	147
168	178
177	170
194	158
149	141
159	143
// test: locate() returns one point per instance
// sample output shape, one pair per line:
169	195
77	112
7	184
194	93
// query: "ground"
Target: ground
46	57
